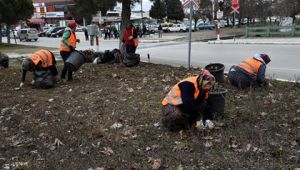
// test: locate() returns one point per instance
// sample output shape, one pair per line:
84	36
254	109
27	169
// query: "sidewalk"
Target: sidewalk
264	40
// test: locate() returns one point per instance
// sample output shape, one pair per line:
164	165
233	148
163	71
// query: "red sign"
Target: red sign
235	4
187	3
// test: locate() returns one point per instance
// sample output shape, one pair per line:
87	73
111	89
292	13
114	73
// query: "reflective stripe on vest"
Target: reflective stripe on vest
174	96
43	56
135	40
251	66
71	40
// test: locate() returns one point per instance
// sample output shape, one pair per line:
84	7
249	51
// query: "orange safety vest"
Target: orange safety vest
251	66
135	40
174	96
43	56
71	40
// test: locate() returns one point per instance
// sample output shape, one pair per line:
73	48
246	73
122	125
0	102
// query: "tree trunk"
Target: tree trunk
8	34
195	23
0	34
125	16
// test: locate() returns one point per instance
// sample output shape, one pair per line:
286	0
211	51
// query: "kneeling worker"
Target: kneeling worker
250	72
186	103
41	60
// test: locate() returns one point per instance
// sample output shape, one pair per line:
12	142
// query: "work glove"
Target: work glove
32	82
130	37
71	48
204	124
21	84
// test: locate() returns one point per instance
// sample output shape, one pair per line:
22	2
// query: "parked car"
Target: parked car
53	30
203	26
28	34
80	29
166	27
58	33
188	27
178	28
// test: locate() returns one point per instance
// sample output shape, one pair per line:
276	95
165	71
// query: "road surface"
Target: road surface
285	62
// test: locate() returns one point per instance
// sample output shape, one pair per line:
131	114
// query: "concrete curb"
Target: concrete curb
243	42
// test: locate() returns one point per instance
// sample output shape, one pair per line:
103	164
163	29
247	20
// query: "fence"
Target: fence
271	31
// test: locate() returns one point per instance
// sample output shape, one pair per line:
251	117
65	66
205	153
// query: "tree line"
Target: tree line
249	10
12	11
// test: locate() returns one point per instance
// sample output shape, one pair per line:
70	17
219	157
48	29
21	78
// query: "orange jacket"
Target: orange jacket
251	66
43	56
127	34
174	96
71	40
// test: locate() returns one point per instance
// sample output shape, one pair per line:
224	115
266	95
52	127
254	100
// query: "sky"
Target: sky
146	5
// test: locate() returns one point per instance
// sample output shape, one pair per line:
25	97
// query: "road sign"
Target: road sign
219	14
235	6
187	3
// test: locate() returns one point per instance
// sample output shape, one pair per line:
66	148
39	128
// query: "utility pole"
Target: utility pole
213	9
142	12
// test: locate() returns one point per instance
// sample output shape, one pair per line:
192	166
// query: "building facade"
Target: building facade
51	11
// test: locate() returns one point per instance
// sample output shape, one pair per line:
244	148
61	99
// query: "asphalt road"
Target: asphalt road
285	62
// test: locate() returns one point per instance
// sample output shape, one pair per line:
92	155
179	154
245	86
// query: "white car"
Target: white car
28	34
178	28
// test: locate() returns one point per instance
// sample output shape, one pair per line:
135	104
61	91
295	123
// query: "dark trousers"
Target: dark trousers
238	78
130	49
65	55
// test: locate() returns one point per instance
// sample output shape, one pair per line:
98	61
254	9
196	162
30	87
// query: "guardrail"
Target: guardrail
271	31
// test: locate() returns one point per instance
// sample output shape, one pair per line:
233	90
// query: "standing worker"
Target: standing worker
130	39
41	60
186	103
250	72
67	46
160	30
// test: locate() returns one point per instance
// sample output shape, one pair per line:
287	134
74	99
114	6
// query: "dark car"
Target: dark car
58	33
42	33
203	26
4	32
54	30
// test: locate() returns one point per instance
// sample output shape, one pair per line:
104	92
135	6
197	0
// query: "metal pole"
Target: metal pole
234	26
190	35
142	12
213	9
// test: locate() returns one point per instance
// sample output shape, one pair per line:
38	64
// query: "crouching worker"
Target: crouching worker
250	72
42	64
186	103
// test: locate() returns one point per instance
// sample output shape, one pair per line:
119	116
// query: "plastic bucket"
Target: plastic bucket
75	60
217	70
217	101
4	60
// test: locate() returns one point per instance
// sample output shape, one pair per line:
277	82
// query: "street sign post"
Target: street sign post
192	4
235	6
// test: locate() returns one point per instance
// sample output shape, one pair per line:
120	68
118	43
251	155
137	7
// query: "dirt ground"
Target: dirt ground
108	118
20	49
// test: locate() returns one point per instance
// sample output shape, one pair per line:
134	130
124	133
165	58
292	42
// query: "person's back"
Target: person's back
250	72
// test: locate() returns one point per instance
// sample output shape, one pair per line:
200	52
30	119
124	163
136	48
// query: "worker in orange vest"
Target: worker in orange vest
67	46
186	103
130	39
38	61
250	72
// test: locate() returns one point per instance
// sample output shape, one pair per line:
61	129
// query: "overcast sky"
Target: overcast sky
146	6
137	7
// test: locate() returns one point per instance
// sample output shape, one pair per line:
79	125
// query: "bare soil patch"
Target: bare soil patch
108	117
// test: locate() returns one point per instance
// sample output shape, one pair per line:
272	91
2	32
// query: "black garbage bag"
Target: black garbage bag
4	60
43	79
106	57
130	60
